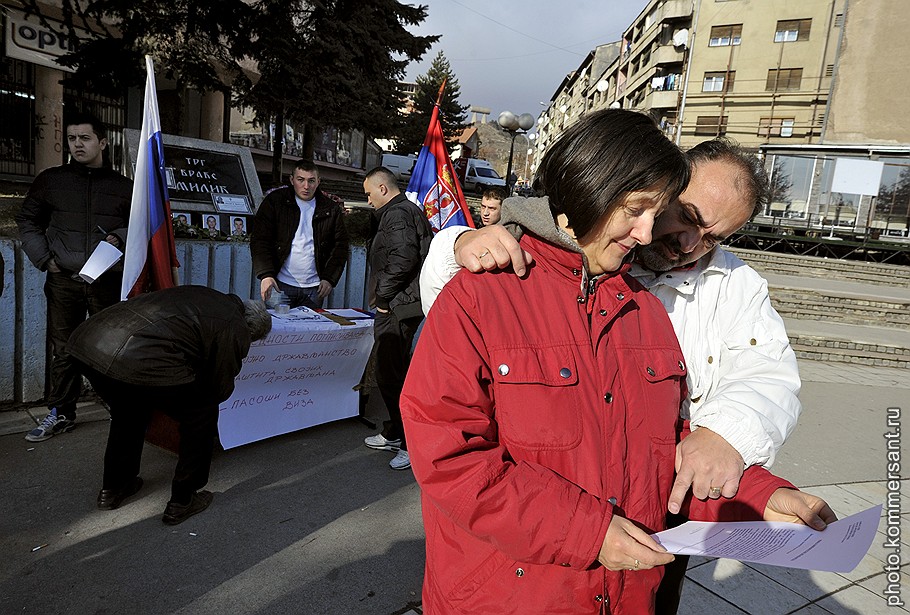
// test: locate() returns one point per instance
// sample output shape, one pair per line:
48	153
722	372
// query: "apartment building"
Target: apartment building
760	70
804	83
643	70
580	91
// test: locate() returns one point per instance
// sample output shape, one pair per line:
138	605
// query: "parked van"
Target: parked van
400	166
477	175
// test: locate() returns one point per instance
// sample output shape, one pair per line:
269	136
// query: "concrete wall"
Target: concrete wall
868	90
224	266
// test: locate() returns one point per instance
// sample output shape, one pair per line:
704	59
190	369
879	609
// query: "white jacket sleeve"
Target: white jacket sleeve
755	403
439	266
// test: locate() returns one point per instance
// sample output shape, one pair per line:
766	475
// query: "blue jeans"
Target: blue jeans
308	297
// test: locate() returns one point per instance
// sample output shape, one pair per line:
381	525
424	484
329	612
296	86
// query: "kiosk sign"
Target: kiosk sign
29	40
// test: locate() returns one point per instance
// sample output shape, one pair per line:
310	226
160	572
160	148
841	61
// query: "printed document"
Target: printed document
839	548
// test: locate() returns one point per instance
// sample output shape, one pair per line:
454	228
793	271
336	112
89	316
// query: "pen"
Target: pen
102	230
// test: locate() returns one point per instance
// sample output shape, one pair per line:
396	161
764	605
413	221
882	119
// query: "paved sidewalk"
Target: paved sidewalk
313	522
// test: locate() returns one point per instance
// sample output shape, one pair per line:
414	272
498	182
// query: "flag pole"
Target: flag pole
441	88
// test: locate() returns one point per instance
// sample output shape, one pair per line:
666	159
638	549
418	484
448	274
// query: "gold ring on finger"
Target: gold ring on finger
479	257
715	491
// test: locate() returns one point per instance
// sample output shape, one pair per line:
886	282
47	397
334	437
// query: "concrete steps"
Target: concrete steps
805	304
894	276
844	343
840	311
347	189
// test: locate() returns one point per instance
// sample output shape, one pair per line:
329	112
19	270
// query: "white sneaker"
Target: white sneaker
379	443
402	461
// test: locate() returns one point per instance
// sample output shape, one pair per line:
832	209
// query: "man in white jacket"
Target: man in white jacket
743	378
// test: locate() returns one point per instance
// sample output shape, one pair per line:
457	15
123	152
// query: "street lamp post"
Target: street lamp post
516	125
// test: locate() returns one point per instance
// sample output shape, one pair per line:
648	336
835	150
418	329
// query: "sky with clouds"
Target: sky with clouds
513	54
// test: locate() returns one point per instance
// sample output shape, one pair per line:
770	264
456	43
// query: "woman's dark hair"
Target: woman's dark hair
601	158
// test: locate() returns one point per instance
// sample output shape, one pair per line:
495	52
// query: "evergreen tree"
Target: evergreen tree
320	63
336	63
452	113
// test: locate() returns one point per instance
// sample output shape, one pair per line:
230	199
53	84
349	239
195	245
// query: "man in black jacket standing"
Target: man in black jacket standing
397	252
299	243
68	211
176	350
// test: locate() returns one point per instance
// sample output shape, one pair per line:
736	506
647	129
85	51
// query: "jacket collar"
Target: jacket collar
395	200
683	280
289	197
80	168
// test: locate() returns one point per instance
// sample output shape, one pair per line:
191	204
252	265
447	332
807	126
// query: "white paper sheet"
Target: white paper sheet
839	548
348	313
103	258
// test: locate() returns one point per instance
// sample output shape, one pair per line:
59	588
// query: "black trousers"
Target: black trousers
670	589
392	341
68	301
131	410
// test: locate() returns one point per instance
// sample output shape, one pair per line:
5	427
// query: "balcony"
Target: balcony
666	54
661	99
676	9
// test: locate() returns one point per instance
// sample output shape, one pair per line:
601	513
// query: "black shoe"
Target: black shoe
178	513
109	499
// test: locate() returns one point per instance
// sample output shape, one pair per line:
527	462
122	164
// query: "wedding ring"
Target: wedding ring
715	491
637	564
480	256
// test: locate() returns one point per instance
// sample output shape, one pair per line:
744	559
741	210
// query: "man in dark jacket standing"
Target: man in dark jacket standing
68	211
176	350
299	243
397	252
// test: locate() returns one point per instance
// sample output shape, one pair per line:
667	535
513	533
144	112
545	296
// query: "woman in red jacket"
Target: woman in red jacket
543	412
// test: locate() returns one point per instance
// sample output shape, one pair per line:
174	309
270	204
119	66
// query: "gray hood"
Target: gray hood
533	214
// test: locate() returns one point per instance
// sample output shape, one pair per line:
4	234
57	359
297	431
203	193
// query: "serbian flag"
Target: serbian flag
433	183
151	257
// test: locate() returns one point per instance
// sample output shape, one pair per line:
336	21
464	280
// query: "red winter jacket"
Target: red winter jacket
529	406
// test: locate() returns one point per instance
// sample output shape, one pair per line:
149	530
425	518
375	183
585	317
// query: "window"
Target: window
724	36
714	82
775	127
780	79
711	125
792	30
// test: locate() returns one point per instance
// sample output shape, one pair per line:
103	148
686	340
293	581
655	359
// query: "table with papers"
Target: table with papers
300	375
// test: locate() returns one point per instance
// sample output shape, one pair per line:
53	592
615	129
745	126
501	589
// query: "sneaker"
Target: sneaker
402	461
50	427
178	513
379	443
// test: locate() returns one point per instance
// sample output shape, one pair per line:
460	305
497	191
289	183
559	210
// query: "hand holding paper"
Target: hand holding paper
795	506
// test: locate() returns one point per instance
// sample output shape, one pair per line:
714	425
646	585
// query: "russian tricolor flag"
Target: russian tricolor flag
433	184
151	256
